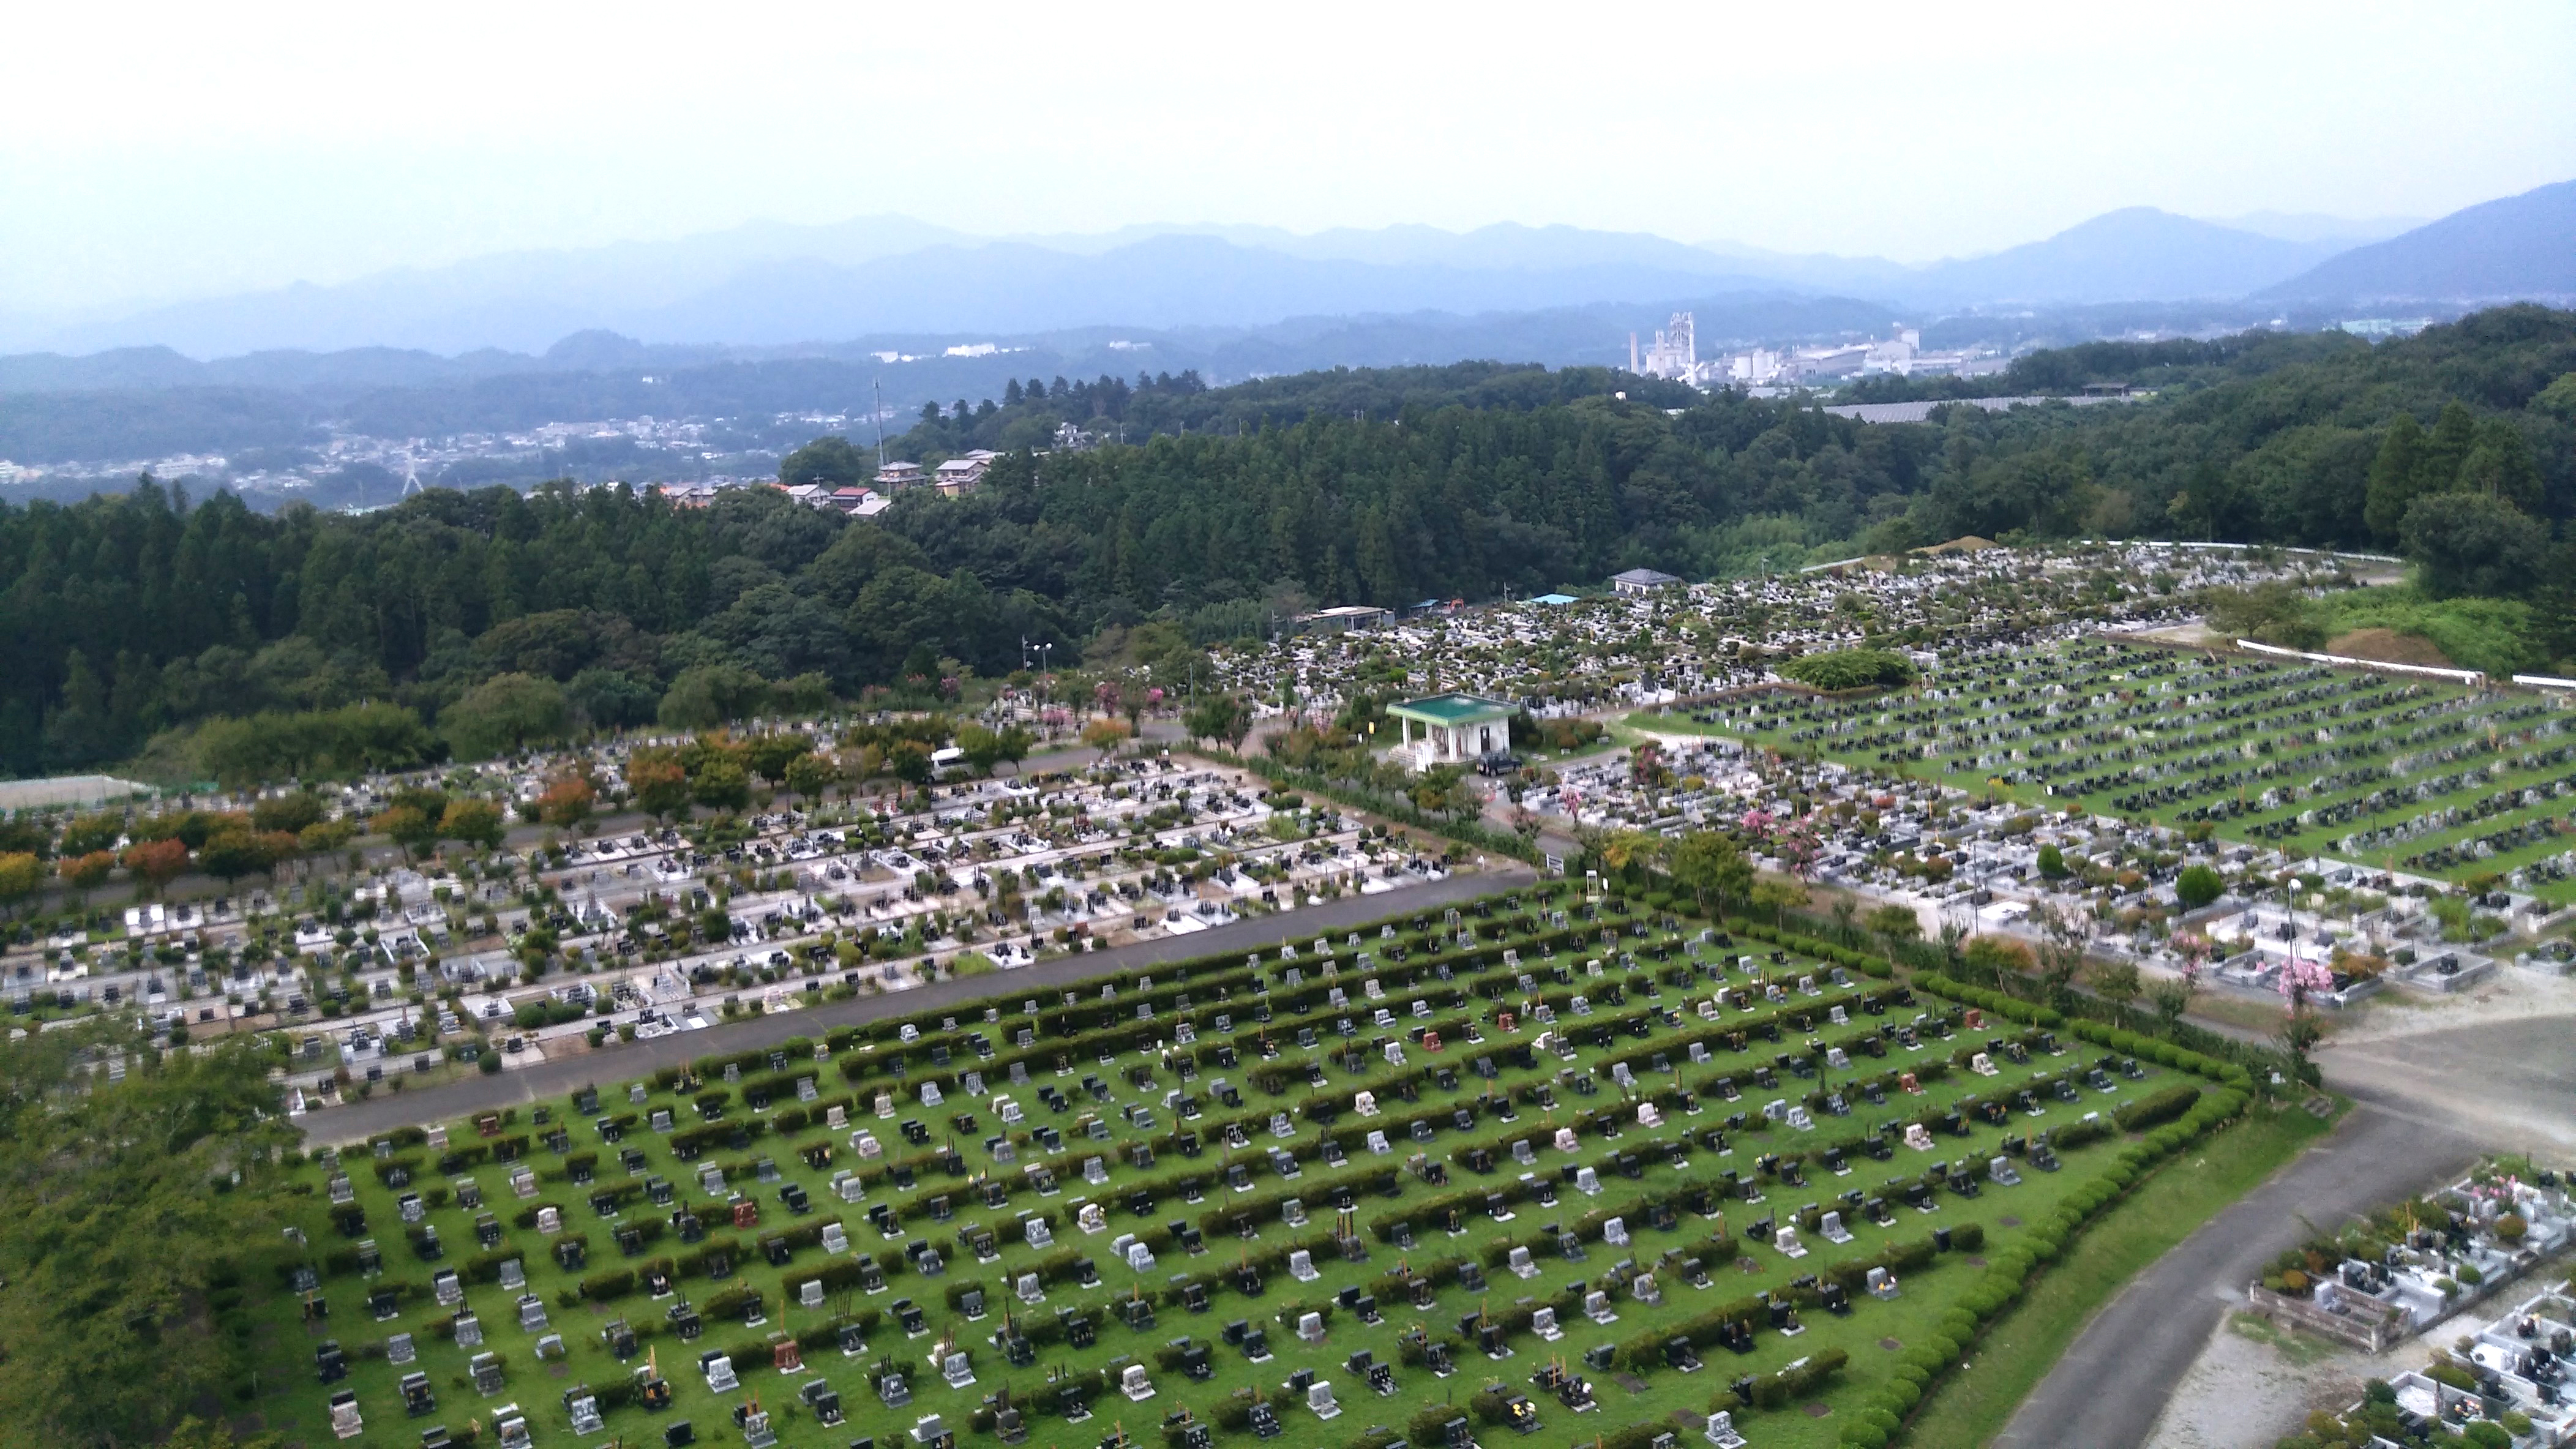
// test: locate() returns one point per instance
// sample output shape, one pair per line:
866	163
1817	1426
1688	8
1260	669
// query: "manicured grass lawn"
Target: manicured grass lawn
1970	1407
1651	722
1872	1334
2347	737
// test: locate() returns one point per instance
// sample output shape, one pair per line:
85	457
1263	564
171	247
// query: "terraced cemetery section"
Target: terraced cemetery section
2381	769
1543	1166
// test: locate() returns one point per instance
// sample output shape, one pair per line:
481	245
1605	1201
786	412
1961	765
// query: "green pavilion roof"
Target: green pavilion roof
1451	709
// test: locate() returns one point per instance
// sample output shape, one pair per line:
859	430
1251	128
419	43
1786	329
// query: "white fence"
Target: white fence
2456	676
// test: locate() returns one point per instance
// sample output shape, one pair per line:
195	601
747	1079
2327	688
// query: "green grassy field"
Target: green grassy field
1189	1191
2288	755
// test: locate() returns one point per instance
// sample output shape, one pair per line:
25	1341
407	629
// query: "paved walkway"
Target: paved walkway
558	1079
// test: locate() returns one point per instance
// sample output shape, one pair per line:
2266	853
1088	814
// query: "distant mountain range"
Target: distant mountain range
2521	246
138	403
776	285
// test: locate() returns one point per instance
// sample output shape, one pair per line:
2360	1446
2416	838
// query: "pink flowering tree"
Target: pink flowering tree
2304	979
1645	765
1796	847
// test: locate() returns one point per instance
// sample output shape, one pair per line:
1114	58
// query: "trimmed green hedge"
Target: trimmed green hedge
1773	1390
2164	1106
2007	1275
1844	956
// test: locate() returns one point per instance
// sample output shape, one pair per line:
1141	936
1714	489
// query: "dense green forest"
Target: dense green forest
476	621
1110	409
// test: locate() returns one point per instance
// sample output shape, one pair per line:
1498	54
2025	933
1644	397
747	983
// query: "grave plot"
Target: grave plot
2396	773
2405	1267
2508	1375
1537	1158
1690	641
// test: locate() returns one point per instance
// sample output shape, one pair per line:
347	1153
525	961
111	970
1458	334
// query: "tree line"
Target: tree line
476	623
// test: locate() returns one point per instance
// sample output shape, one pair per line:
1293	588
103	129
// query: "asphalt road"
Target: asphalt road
2114	1380
552	1080
2513	1081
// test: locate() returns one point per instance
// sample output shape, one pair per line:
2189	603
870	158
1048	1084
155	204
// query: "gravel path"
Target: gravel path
2247	1392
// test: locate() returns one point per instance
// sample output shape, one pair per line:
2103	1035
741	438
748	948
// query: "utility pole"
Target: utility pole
879	385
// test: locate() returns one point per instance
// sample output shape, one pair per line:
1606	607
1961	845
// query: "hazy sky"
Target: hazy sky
165	151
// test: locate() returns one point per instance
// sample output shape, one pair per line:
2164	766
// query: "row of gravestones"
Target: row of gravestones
532	1313
807	1285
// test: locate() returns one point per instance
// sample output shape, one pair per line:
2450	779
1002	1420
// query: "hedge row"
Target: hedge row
1880	1420
2164	1106
1861	961
1645	1353
2110	1038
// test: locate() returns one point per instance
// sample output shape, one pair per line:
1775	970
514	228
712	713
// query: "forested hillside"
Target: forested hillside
471	622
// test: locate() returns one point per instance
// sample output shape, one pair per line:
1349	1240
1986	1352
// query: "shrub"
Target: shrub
605	1287
2197	886
1234	1413
1840	669
2163	1106
2071	1135
1790	1384
1426	1424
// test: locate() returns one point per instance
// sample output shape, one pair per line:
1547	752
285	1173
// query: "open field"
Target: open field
1122	1085
2382	769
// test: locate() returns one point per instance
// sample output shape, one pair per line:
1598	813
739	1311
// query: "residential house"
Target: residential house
962	473
1638	582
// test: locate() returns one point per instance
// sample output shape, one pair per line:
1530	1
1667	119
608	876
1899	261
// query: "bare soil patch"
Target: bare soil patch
2390	647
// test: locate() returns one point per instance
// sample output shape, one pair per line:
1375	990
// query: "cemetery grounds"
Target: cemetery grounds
2381	769
1113	1077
